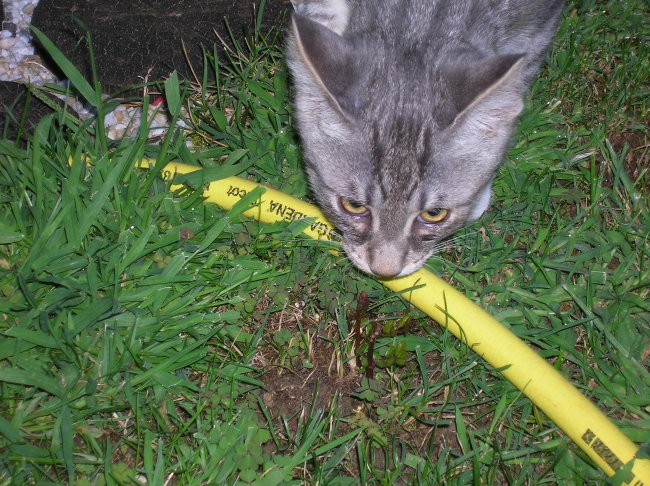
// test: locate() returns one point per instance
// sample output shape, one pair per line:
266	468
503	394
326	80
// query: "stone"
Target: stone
7	42
134	40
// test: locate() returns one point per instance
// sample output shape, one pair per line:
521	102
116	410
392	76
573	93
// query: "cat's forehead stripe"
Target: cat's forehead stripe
426	154
376	151
393	174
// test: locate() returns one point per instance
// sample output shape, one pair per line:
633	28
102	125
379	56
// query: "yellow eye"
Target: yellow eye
353	207
436	215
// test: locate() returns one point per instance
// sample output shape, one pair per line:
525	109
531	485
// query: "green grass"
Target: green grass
149	336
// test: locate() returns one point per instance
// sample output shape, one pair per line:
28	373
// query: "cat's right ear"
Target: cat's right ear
330	60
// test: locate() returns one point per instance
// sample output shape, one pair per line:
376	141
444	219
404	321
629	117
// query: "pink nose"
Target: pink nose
385	268
386	258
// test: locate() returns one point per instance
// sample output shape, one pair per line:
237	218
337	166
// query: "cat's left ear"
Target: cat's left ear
490	101
331	61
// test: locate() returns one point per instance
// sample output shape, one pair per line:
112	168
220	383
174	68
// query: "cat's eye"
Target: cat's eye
353	207
436	215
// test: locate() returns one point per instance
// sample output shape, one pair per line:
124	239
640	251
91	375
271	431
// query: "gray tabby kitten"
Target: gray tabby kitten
406	108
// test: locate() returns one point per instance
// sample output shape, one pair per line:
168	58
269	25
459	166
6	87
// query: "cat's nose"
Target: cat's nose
385	264
385	272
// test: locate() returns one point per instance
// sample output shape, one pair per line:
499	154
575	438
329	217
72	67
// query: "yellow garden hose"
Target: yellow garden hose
580	419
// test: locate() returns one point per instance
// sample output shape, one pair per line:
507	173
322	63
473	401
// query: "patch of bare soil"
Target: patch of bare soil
291	389
303	371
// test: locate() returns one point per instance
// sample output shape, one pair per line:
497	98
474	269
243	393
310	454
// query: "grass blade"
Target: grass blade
72	73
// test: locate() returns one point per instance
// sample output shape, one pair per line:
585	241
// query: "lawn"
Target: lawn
150	337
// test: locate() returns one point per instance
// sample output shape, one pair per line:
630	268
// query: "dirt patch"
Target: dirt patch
302	368
290	390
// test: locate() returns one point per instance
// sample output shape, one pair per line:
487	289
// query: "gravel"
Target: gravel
17	59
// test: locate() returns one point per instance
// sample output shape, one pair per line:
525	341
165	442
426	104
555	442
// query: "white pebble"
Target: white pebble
7	42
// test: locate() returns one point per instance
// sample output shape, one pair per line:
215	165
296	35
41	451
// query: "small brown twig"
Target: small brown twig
358	316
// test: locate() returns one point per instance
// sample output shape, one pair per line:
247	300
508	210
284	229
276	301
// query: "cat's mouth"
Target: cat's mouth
385	261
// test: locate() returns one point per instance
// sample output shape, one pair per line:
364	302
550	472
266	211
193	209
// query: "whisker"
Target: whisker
450	243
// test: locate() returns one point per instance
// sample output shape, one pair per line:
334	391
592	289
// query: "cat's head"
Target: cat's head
400	148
